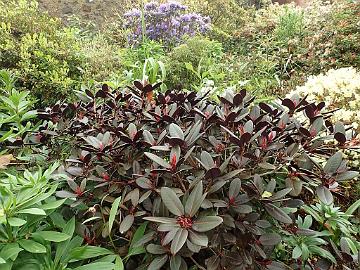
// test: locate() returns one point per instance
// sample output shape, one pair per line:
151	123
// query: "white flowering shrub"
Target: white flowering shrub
339	89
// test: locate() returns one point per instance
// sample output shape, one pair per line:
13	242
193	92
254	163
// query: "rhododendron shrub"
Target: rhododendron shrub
192	182
168	22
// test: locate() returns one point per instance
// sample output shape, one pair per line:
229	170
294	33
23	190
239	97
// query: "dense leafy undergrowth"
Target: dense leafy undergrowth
220	185
197	163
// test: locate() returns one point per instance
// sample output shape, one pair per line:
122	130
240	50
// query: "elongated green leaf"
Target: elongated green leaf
52	236
333	163
270	239
139	233
155	249
179	240
199	239
234	189
175	262
119	264
176	132
126	224
313	213
16	222
208	223
52	205
171	233
158	160
207	160
277	213
171	201
324	195
345	176
158	262
88	252
323	253
33	211
2	261
296	253
10	250
195	200
113	212
161	220
32	246
96	266
352	208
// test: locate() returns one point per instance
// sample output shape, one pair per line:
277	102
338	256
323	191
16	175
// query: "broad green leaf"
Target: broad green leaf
96	266
234	188
170	235
178	241
333	163
52	236
304	251
175	262
32	246
88	252
281	194
176	132
158	262
10	250
207	223
155	249
193	247
296	253
324	195
52	205
158	160
194	200
16	222
171	201
270	239
148	137
345	176
199	239
207	160
33	211
119	264
2	261
113	212
295	184
277	213
126	224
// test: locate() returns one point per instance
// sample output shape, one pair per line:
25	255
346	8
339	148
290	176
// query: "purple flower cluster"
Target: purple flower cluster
167	23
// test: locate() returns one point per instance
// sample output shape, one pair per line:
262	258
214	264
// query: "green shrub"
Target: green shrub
191	62
51	60
16	112
281	45
229	17
50	66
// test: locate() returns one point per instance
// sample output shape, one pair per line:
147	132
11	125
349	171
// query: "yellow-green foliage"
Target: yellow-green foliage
202	53
41	52
339	89
50	60
226	15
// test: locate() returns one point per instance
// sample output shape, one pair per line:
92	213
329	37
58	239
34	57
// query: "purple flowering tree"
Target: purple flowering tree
168	23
